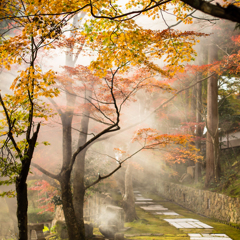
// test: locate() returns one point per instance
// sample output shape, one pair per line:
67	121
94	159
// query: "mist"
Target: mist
93	104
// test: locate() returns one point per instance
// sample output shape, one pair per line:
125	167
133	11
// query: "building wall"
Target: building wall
210	204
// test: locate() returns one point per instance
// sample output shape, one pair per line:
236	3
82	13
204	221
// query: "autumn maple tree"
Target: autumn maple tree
21	112
120	45
103	100
24	109
116	49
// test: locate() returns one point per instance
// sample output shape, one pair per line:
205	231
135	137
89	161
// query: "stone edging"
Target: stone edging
211	204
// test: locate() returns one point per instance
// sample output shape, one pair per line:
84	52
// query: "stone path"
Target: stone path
167	213
154	208
198	236
144	203
138	199
187	223
148	204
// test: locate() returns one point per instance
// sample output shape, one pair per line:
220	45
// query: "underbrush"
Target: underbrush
34	215
229	182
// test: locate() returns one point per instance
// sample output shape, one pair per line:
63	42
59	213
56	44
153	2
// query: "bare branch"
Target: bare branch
111	128
94	118
51	175
134	89
100	178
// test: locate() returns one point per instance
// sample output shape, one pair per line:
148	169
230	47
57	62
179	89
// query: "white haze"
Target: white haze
52	132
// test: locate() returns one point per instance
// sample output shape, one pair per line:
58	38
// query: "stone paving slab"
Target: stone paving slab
137	191
144	203
167	213
138	199
187	223
154	208
215	236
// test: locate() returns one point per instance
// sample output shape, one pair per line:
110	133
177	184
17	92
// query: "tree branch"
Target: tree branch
112	128
100	178
231	12
10	126
51	175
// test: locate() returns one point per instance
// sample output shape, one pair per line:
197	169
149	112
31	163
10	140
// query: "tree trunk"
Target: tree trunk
198	165
120	179
75	231
78	188
21	186
79	169
67	138
70	207
129	199
212	144
22	207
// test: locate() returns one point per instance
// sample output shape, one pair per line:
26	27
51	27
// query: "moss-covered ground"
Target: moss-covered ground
159	229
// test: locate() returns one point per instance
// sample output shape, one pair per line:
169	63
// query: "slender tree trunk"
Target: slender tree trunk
21	187
73	228
129	200
70	208
212	144
22	206
75	231
79	189
67	138
79	169
198	165
119	177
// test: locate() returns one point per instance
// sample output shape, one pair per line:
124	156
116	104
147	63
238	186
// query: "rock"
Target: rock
58	216
119	236
38	229
108	230
61	229
114	216
88	229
